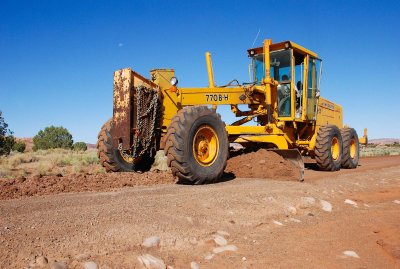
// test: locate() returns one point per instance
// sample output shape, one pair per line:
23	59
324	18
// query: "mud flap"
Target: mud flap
294	156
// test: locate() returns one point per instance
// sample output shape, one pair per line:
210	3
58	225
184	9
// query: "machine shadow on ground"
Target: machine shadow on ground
225	177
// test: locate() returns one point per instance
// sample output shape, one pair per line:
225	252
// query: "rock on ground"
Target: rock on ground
90	265
223	233
209	256
350	202
82	257
225	248
59	265
326	206
306	202
292	210
194	265
351	253
151	262
152	241
295	220
160	162
220	240
41	261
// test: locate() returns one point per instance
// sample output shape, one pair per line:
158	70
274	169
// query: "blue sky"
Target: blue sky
57	58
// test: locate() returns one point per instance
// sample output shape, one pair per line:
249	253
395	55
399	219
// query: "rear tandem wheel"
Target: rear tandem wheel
351	148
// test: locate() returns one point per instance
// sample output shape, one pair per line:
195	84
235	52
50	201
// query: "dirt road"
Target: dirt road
346	219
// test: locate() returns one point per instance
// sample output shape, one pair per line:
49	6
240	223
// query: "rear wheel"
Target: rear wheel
197	145
114	160
328	148
351	148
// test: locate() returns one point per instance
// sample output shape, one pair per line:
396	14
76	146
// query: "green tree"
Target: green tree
19	146
52	137
80	146
7	140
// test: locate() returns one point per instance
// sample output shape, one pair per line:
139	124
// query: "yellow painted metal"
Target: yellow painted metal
313	139
364	139
293	91
335	148
267	80
305	87
284	45
210	71
170	103
261	99
162	77
303	49
329	113
241	130
205	145
353	148
217	96
267	43
278	140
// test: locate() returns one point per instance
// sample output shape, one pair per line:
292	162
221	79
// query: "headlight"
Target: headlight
174	81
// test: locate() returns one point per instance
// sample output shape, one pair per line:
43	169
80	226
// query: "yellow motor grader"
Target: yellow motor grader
282	98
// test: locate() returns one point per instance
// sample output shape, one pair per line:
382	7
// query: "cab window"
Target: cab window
281	66
258	68
314	70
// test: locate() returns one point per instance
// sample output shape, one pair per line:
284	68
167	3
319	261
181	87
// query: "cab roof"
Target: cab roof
283	45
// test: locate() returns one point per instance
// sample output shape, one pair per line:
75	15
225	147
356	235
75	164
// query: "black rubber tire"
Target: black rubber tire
323	144
349	134
111	159
179	145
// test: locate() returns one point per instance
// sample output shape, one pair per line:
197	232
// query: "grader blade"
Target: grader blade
295	157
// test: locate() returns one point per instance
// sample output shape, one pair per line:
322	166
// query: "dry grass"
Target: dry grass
62	161
49	162
380	150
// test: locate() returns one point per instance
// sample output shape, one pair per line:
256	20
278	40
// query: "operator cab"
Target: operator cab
297	71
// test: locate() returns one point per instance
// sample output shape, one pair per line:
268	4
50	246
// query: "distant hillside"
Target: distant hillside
28	142
91	146
384	140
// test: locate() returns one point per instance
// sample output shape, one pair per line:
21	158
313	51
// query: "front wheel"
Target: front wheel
328	148
197	145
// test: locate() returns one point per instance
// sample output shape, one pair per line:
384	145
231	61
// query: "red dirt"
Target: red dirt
273	224
42	185
262	164
28	143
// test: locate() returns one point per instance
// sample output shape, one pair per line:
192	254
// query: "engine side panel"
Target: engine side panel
329	113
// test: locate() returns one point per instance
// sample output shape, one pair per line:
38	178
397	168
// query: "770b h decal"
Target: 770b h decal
216	97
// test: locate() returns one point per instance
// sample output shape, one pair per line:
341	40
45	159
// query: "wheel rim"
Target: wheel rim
128	158
335	150
353	148
205	145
